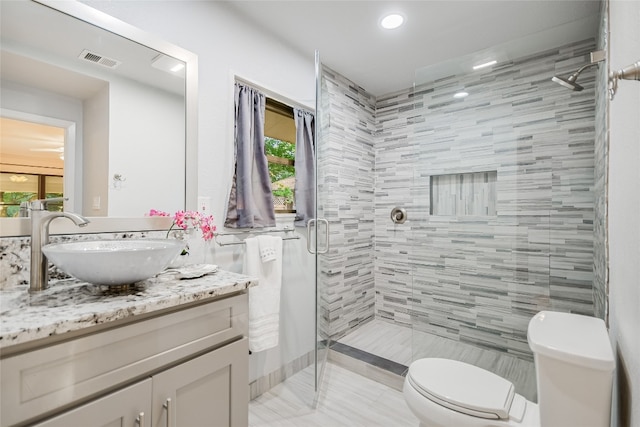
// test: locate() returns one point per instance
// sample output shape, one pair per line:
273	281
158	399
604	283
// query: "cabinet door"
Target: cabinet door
118	409
211	390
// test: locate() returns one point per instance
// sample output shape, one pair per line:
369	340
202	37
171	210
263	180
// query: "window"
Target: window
280	147
18	187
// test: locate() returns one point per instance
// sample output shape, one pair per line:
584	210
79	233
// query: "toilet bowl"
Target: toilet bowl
574	375
444	393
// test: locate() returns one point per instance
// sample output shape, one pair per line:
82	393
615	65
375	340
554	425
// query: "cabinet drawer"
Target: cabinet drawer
48	378
120	408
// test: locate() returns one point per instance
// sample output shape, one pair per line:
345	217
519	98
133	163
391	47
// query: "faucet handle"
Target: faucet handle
24	209
41	204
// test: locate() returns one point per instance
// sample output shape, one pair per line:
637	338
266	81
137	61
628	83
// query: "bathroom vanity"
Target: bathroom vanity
164	352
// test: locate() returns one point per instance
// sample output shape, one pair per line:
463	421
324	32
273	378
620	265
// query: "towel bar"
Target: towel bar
252	231
242	242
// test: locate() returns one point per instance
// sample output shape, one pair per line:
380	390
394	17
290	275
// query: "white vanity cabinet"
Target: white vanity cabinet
211	390
178	367
127	407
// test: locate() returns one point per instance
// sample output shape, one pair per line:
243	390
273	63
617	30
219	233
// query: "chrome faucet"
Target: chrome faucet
40	220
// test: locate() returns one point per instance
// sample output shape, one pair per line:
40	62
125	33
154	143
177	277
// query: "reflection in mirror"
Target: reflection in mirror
32	163
116	109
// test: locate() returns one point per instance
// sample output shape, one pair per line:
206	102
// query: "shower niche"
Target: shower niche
463	194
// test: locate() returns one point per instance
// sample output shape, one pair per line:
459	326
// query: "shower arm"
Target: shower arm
631	72
575	75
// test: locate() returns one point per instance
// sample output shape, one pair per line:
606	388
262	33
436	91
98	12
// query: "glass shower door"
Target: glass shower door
318	236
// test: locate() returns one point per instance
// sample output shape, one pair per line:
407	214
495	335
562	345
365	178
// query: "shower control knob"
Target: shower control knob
398	215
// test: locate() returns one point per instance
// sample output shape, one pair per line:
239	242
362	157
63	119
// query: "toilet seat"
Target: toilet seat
462	387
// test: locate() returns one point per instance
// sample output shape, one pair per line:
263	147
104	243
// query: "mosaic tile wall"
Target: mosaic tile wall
600	244
345	188
476	279
479	279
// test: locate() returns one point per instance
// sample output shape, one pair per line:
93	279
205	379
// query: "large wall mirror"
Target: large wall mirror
96	110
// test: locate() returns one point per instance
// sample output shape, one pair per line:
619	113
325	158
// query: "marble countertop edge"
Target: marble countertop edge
71	305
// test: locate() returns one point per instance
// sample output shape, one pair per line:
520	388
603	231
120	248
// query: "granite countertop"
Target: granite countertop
71	305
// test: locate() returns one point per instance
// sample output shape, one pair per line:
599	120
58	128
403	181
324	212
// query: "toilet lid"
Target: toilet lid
462	387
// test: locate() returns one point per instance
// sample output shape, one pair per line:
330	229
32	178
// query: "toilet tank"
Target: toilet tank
574	369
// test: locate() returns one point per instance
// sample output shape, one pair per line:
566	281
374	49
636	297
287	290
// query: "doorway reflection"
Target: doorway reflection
32	165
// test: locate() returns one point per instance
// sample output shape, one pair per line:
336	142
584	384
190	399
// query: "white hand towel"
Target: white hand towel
264	299
267	248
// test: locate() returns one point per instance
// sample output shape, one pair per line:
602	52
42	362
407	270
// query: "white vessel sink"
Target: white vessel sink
113	262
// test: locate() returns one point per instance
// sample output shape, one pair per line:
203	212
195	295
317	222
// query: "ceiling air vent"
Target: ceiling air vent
96	58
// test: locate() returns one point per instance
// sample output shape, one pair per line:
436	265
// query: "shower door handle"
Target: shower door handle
309	248
315	221
326	236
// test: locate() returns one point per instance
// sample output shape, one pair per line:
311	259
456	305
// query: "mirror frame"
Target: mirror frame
21	226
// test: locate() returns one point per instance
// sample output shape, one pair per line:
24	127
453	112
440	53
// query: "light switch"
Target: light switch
204	204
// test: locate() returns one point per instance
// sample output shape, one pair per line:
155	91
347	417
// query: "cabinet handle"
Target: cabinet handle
140	419
167	406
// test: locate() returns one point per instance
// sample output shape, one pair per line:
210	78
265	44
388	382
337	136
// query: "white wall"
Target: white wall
136	131
95	154
226	47
624	214
146	130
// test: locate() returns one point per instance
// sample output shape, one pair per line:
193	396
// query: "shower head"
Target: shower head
569	82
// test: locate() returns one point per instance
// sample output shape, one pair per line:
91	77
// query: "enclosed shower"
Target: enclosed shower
500	192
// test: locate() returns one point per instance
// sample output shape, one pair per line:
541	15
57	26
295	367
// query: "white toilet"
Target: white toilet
574	372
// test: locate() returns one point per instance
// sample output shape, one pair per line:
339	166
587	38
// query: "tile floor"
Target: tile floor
350	399
346	399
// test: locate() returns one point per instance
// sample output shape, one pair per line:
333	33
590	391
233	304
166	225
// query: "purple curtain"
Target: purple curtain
250	201
305	195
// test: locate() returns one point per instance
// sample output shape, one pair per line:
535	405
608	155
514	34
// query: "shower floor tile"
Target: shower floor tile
402	345
383	339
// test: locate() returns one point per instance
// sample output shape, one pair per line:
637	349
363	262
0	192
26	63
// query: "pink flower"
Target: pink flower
154	212
207	228
183	219
180	219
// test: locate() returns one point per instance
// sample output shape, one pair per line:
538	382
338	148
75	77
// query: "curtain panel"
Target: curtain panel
305	196
250	200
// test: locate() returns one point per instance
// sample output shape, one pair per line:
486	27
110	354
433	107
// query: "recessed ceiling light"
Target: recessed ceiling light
461	94
392	21
168	64
18	178
486	64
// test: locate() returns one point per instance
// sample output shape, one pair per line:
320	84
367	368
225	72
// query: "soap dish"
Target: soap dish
192	271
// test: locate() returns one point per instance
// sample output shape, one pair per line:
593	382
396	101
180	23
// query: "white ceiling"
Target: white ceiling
439	37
